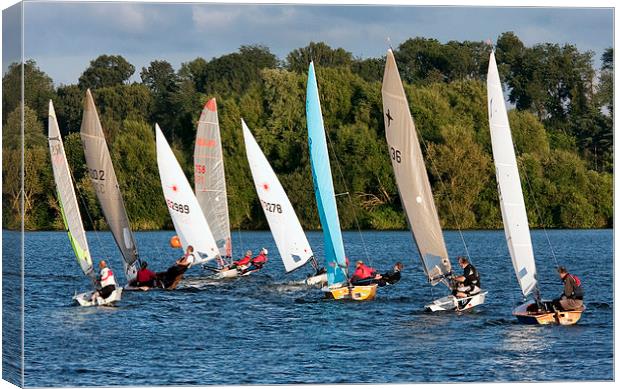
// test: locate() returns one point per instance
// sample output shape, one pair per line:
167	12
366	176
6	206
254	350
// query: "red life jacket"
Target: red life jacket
259	259
577	280
243	261
145	275
363	271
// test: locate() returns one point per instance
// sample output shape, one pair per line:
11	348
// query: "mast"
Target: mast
411	177
287	232
509	188
67	199
323	185
103	177
187	217
209	177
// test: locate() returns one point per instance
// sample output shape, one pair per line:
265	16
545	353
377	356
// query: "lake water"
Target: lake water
263	329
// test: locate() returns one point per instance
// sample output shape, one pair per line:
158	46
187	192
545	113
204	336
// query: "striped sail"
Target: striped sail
103	177
509	185
411	177
66	197
209	178
323	185
187	217
287	232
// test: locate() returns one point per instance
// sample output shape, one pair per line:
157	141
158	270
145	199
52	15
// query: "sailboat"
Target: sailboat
513	210
287	232
209	177
189	221
103	178
415	190
338	286
71	213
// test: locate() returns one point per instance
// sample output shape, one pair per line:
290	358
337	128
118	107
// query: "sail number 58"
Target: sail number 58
395	154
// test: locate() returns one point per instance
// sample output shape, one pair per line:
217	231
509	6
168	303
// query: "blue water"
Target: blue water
263	330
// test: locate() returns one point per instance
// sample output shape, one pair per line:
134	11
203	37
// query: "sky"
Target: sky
63	37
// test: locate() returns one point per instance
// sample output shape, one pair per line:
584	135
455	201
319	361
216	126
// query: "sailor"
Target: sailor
469	283
179	267
145	277
258	261
107	282
572	296
241	262
391	277
364	275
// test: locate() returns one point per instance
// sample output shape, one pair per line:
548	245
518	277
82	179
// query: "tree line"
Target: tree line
561	124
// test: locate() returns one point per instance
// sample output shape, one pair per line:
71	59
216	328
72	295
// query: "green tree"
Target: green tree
38	89
298	60
106	71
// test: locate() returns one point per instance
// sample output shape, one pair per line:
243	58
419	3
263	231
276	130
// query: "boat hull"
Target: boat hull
84	299
451	303
358	293
528	313
320	279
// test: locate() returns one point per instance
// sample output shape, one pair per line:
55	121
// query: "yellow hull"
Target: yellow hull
366	292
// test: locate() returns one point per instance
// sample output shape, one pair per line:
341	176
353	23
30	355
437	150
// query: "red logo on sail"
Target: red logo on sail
210	105
266	186
205	142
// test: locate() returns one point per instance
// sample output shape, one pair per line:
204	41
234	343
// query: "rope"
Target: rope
359	230
434	167
529	185
92	223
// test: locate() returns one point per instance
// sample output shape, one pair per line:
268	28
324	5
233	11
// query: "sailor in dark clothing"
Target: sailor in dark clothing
469	283
391	277
572	296
177	270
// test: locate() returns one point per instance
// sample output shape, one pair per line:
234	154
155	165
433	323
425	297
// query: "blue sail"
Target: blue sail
323	185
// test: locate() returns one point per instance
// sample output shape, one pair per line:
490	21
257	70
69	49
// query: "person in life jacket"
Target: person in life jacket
364	275
241	262
391	277
107	282
179	268
258	261
145	276
572	296
469	283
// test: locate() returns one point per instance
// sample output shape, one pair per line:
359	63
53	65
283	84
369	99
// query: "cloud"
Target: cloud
180	32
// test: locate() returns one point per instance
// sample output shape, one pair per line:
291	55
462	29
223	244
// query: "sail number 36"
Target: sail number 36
271	207
395	154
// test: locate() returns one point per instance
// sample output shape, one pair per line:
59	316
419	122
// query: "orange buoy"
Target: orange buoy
175	242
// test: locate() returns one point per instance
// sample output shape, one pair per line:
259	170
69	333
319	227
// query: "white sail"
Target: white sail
66	197
290	238
189	221
509	186
411	177
209	177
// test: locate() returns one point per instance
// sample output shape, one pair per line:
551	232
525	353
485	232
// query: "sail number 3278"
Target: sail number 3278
271	207
395	154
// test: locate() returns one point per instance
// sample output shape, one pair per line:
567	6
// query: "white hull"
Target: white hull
320	279
232	273
84	299
451	303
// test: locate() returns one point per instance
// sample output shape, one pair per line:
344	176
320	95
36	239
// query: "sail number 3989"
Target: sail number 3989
181	208
395	154
271	207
